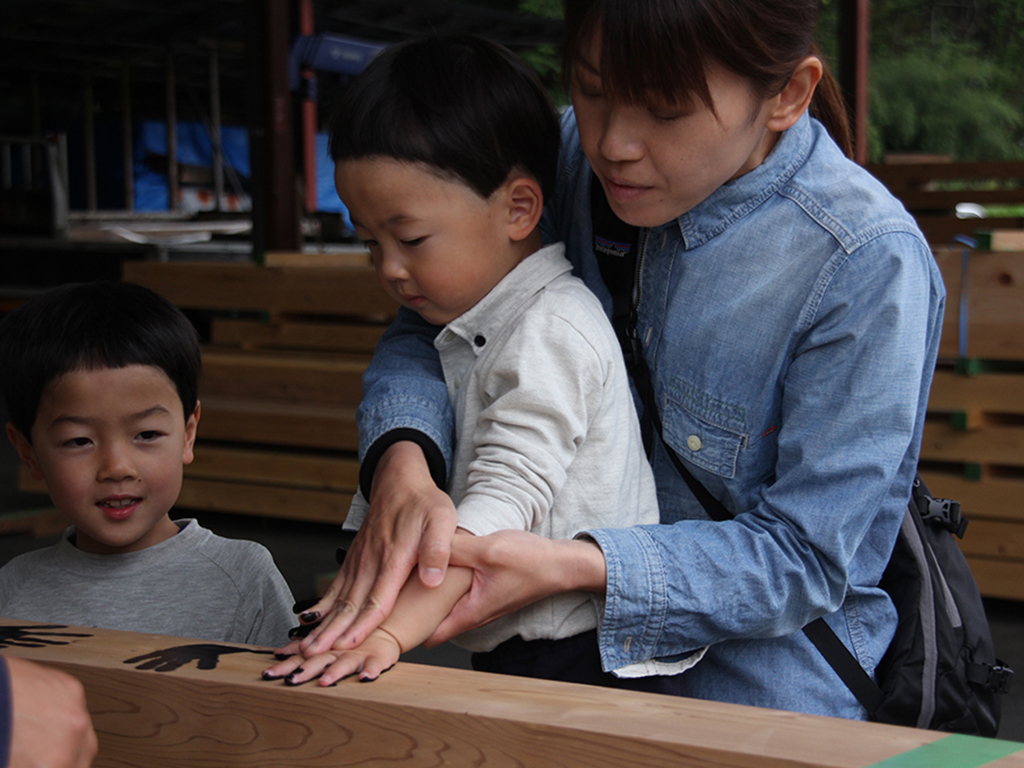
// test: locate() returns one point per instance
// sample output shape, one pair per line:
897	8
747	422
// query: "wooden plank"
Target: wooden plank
940	229
991	497
995	303
901	177
991	392
268	467
264	500
425	716
995	444
1000	239
948	261
286	334
349	291
248	421
1002	579
35	522
994	539
277	376
355	256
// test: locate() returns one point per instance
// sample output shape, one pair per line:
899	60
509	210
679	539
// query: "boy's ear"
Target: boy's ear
187	455
525	206
25	451
796	96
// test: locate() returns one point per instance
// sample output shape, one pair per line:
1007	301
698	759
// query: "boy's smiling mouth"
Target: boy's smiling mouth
119	508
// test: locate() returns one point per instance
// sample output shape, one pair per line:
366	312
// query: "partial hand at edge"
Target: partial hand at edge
410	521
51	724
513	569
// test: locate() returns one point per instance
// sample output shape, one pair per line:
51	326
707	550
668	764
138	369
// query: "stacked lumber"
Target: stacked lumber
282	376
931	191
169	702
973	447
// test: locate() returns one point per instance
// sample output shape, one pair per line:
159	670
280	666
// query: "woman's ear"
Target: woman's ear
795	98
525	206
25	451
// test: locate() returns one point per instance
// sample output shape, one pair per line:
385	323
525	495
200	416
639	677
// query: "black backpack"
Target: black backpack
940	672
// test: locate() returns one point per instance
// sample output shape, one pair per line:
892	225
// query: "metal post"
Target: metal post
172	135
5	165
127	148
854	34
308	114
283	233
89	138
215	137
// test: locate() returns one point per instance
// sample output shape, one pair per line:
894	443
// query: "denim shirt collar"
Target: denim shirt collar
496	311
737	198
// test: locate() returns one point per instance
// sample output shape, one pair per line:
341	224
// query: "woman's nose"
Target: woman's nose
620	138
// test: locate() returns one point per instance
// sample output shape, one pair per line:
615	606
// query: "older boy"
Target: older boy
100	382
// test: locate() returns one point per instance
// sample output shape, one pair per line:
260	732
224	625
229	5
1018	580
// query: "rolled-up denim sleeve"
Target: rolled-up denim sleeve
405	398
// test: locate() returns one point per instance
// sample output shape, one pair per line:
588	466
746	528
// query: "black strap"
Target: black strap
615	246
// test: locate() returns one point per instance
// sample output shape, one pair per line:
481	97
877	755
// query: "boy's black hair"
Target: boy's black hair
90	326
461	104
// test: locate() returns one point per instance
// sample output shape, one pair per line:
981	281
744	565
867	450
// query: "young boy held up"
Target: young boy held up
100	381
444	151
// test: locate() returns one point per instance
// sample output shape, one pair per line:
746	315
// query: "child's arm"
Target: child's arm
417	613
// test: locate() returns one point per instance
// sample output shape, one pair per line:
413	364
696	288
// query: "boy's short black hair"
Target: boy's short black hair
90	326
461	104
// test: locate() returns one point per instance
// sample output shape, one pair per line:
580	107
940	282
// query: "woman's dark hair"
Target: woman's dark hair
89	326
467	107
661	48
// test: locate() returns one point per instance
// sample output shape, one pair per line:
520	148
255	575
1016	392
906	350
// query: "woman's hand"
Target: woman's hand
512	569
410	520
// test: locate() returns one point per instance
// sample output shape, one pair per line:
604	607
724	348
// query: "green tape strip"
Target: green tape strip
954	751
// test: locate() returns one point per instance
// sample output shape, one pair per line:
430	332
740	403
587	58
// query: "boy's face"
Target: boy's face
110	444
438	246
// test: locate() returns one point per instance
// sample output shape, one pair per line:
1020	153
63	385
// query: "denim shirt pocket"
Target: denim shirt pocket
703	430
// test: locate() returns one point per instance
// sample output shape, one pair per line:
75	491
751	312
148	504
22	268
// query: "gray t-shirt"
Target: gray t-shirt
196	585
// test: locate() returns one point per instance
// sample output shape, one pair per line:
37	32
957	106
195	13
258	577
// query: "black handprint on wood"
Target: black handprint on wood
35	636
170	659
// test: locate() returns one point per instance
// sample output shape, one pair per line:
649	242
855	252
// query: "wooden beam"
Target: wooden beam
992	392
343	290
248	421
328	472
997	578
414	715
283	503
284	377
995	444
285	334
991	497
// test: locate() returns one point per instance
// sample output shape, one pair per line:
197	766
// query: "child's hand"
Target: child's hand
374	656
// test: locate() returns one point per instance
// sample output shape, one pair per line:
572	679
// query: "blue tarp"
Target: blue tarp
195	148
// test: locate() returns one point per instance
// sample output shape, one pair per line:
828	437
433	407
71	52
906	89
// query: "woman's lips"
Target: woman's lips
624	192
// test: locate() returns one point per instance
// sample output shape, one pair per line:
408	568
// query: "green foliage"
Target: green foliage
545	59
943	99
946	76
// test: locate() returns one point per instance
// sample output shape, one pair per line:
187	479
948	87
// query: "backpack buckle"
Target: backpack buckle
999	679
945	513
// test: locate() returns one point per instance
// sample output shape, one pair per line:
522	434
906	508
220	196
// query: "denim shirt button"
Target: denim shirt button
694	443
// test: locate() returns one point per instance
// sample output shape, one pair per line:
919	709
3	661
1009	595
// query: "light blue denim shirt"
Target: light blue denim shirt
791	323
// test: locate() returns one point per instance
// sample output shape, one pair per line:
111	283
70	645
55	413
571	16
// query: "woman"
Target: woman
788	310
